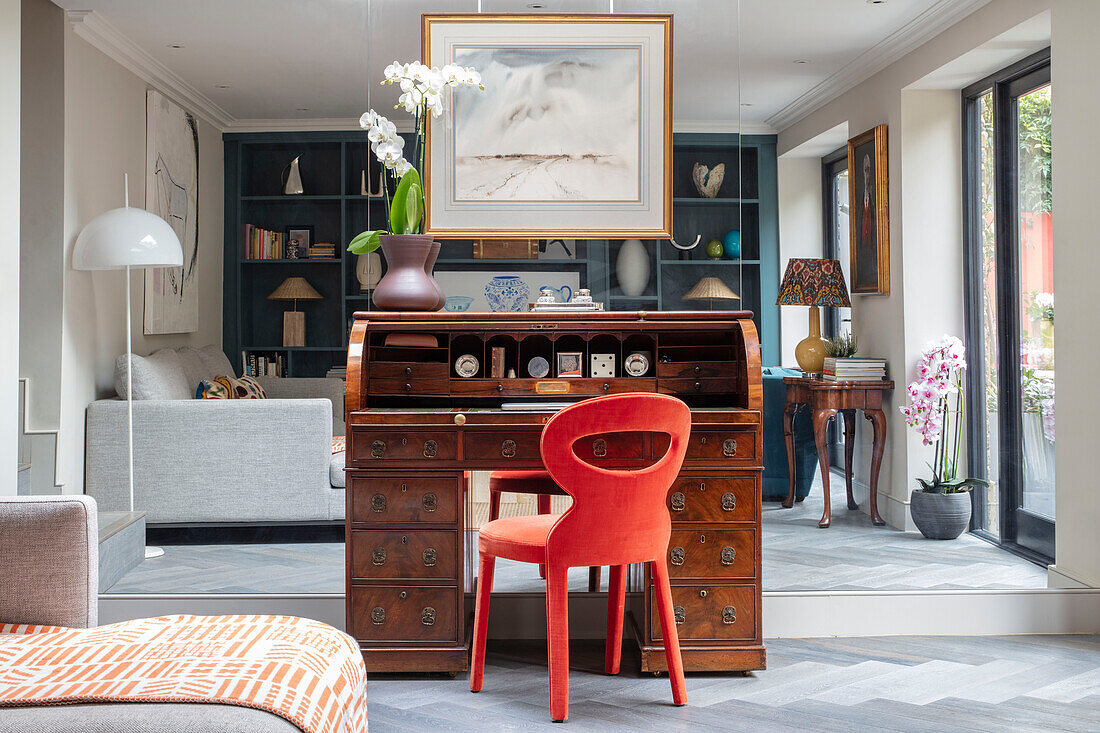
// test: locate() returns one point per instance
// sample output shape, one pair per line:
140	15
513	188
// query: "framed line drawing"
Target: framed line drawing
572	136
869	225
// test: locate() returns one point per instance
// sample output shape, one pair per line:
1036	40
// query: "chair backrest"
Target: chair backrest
49	573
618	516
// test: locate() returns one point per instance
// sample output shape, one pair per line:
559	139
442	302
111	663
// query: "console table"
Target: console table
415	426
825	400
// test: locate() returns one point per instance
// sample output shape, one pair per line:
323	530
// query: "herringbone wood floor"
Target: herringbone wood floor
920	684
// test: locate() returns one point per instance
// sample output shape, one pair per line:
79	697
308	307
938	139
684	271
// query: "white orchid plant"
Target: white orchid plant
423	91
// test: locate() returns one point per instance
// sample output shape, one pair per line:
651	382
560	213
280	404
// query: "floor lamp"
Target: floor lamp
121	239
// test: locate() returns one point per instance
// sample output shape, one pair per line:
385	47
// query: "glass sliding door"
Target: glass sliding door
1010	255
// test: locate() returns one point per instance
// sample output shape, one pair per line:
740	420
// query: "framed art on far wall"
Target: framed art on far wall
869	212
571	137
300	237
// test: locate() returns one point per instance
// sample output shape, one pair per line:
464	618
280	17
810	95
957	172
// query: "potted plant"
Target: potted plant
941	506
410	254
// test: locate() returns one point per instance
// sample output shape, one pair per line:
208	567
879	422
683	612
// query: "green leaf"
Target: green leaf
365	242
399	217
414	208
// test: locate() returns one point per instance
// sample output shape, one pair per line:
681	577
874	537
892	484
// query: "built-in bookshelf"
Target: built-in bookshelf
332	166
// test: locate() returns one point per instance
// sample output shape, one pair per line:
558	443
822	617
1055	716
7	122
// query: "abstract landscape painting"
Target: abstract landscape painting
554	124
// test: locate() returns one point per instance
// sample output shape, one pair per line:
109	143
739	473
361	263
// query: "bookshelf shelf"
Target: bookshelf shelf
689	201
299	261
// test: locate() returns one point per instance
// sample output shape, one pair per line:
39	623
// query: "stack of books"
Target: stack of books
263	365
322	251
263	244
854	369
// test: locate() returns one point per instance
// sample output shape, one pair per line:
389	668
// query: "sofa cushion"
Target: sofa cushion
159	376
194	367
336	474
216	362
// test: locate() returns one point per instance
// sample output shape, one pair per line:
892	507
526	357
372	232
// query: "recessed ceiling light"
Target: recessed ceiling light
221	86
175	45
301	109
876	2
801	61
535	6
746	104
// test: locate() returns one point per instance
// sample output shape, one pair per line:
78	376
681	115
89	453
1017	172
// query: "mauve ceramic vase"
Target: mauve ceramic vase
940	516
632	268
407	286
429	267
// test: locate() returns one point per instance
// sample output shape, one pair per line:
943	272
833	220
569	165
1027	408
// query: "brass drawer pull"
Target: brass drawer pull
431	448
729	615
427	616
429	557
729	502
728	555
678	501
729	447
677	556
378	557
408	371
378	503
698	369
699	387
508	448
606	386
599	447
378	449
679	614
408	387
429	502
378	616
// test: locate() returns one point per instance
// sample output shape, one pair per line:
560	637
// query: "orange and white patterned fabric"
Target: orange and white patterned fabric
304	671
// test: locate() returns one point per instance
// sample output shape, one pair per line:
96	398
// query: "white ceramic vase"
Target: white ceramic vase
632	267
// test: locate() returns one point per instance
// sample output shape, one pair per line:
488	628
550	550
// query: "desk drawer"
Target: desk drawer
407	386
406	371
697	370
403	554
702	385
368	446
389	613
713	499
504	446
715	445
707	553
709	613
396	499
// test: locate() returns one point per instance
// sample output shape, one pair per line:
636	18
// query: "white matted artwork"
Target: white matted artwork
571	135
502	292
171	192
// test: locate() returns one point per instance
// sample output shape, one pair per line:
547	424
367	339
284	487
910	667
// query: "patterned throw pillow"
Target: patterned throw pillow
339	444
212	389
247	388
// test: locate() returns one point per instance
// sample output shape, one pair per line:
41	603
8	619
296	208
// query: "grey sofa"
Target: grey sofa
49	576
217	461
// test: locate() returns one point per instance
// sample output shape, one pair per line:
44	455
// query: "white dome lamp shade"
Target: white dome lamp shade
121	239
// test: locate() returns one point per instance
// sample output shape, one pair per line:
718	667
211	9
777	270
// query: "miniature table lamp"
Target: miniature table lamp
294	322
814	283
711	289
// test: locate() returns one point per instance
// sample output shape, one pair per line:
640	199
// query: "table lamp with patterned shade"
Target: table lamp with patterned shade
814	283
294	322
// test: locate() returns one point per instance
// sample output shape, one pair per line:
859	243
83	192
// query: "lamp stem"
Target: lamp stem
126	191
815	322
129	388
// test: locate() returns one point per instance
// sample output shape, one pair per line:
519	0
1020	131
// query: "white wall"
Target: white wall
800	235
104	138
9	245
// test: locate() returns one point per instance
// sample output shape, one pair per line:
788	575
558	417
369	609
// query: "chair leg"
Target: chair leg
543	508
616	603
557	640
668	631
494	505
594	579
481	620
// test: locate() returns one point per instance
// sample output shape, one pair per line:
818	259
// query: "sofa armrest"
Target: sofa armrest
296	388
50	569
213	460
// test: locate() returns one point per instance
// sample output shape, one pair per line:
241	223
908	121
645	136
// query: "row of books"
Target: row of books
265	244
263	365
323	251
853	369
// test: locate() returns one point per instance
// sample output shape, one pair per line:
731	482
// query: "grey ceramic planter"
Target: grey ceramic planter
940	516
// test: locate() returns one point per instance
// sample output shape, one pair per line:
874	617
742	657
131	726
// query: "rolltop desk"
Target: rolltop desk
415	426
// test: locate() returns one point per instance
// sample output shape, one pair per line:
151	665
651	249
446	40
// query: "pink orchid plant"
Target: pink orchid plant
935	410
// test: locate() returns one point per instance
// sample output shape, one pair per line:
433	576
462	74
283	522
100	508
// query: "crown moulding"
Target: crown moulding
909	37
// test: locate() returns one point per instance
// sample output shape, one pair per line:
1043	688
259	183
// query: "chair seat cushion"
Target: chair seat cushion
517	538
524	482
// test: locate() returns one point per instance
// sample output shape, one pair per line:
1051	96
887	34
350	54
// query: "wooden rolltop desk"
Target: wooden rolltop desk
416	424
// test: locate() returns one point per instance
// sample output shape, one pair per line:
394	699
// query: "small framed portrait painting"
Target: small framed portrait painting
569	364
299	237
869	212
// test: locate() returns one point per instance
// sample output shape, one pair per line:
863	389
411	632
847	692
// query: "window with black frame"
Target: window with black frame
1010	305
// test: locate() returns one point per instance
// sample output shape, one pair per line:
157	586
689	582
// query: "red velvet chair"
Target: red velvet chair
618	517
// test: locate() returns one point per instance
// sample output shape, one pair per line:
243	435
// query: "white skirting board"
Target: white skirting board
786	614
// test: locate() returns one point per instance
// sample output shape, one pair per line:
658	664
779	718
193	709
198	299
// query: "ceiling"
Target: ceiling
248	63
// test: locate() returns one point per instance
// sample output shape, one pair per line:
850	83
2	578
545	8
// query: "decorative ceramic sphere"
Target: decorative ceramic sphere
731	243
714	249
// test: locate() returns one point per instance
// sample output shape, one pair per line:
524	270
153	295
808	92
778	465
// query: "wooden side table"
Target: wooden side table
825	400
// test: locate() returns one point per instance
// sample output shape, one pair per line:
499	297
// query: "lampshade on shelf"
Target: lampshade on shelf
294	323
813	282
711	289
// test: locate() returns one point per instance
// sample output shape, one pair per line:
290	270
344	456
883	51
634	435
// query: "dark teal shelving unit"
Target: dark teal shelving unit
331	166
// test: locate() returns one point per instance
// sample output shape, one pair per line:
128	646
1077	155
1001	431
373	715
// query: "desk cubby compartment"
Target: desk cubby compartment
605	343
469	344
569	344
511	355
645	344
529	348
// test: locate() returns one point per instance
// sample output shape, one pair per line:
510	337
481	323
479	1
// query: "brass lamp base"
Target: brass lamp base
810	351
294	328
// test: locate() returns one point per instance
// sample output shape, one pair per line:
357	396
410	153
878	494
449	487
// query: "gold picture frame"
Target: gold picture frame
869	212
462	173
